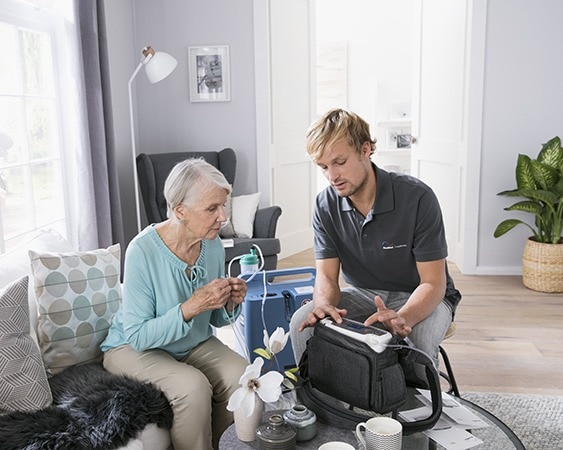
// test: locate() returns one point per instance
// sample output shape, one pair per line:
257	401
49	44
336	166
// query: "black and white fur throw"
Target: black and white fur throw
92	409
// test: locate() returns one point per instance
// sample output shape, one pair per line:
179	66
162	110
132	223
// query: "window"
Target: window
32	194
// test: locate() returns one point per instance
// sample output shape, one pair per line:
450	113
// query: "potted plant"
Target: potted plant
540	182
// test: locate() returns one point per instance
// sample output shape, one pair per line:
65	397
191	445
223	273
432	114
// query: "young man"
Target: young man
385	232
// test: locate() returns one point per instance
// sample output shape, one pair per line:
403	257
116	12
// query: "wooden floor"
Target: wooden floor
508	338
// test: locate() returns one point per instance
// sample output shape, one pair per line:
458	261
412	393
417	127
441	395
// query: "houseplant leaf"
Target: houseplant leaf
540	182
507	225
524	175
552	153
544	175
526	206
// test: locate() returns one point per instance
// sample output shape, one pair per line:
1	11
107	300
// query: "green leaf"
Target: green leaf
540	195
552	153
524	175
510	193
526	206
558	189
506	226
263	352
544	175
290	375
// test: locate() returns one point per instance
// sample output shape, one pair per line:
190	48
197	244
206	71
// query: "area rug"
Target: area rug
537	420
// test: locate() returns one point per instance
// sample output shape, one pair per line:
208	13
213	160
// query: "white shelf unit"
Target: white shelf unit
388	155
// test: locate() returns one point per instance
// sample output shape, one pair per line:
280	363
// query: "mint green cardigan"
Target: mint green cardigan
155	284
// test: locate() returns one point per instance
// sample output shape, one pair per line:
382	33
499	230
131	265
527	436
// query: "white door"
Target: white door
283	45
438	107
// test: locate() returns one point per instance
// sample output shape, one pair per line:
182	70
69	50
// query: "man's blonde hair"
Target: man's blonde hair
336	125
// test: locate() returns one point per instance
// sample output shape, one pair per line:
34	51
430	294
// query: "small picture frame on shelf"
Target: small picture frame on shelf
403	141
209	73
391	139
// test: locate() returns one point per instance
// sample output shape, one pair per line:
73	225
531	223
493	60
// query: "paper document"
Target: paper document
451	429
454	410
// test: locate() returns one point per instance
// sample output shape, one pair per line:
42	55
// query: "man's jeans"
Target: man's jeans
426	335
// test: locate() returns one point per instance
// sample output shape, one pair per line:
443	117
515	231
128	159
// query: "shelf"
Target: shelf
393	151
397	123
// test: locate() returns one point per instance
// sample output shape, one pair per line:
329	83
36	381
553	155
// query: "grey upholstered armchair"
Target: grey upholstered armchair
153	170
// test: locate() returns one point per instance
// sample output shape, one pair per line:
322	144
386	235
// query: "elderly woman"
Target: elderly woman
174	290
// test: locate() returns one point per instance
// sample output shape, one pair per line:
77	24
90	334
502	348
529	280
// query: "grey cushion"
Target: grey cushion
23	381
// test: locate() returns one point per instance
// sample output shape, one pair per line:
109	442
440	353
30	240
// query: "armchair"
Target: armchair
153	169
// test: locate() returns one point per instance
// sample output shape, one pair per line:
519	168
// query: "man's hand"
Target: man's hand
389	318
320	312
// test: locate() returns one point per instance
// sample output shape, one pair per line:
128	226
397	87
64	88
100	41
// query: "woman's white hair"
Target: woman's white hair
188	179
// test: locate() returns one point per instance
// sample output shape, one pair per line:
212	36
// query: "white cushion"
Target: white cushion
78	294
227	230
243	214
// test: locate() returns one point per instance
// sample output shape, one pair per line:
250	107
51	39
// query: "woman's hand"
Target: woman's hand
238	292
213	295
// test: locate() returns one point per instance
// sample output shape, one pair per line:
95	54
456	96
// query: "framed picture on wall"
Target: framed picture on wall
209	73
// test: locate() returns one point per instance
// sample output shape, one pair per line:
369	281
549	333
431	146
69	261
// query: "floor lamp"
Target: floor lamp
158	65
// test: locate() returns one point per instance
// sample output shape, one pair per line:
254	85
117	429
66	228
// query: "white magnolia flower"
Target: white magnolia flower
267	386
276	342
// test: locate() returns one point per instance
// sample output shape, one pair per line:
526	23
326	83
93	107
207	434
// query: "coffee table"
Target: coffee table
496	436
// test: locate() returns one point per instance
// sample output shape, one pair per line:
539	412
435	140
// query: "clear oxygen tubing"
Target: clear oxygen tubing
238	335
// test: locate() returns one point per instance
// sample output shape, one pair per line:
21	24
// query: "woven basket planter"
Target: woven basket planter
542	266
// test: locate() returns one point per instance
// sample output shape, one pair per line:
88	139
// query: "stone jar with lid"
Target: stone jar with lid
304	420
275	434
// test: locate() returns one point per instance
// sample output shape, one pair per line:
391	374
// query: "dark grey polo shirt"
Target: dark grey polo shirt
380	251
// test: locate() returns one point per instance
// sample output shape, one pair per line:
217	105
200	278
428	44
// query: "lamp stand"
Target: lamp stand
134	150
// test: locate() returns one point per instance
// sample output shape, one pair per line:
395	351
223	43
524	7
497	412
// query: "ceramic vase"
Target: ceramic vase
245	427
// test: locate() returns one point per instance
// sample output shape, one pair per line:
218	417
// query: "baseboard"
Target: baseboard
493	270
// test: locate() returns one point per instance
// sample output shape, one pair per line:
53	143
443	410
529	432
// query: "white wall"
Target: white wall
166	120
523	108
523	94
379	46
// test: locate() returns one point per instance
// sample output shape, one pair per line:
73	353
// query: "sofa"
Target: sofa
56	305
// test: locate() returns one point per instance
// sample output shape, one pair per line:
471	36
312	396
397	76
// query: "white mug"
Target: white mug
381	433
336	445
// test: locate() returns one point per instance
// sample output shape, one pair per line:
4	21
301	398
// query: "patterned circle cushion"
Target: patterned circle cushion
78	293
23	381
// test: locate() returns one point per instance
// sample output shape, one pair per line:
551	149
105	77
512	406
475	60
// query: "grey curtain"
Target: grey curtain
100	222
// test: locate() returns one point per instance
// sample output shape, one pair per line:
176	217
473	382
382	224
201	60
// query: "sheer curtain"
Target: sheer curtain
96	200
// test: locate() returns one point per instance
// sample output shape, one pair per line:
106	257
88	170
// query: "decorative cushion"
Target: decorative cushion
228	231
15	264
243	213
78	293
23	381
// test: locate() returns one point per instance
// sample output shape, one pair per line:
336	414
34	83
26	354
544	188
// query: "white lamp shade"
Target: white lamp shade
160	66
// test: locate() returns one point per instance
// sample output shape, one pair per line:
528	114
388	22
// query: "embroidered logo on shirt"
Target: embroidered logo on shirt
390	246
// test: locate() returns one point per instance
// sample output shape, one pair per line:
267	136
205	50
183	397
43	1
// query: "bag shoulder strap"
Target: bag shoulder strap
334	413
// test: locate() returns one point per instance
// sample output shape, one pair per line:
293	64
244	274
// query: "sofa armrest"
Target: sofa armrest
266	221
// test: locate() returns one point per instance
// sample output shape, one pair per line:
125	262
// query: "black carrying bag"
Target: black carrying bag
345	381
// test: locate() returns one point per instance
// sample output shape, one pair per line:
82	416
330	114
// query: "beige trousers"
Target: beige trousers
197	387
